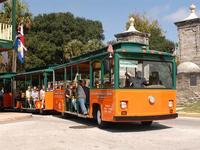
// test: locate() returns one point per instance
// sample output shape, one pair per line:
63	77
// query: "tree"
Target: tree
157	40
22	13
57	37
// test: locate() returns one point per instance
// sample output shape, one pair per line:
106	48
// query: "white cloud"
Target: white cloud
178	15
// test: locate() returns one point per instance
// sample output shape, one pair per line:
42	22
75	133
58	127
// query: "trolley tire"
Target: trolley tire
63	114
41	112
101	124
146	123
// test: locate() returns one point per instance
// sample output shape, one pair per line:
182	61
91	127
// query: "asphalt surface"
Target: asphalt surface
54	133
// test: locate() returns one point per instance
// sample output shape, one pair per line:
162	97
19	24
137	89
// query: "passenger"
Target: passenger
1	98
137	81
87	93
42	95
74	96
81	96
28	96
35	94
70	98
21	99
50	87
97	85
154	79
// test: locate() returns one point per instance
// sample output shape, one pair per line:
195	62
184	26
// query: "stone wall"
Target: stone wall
187	94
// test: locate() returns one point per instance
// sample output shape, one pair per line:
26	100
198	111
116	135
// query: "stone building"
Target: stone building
188	77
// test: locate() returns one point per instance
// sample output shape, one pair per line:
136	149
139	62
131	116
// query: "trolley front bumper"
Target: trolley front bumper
144	118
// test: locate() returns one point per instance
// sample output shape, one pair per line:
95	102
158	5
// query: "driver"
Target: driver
138	81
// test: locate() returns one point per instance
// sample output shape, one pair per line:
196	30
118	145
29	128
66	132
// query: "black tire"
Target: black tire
63	114
41	112
146	123
101	124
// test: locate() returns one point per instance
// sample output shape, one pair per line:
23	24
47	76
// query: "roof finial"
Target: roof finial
132	27
193	8
192	13
132	21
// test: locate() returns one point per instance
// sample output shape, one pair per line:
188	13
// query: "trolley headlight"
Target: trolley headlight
171	103
123	104
152	99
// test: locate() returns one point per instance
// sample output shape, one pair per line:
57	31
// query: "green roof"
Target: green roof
7	75
128	47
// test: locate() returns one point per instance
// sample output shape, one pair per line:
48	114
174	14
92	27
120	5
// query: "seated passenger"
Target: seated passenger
28	96
154	79
35	94
70	98
1	98
137	81
74	96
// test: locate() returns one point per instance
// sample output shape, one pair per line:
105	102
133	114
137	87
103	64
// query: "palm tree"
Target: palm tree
22	13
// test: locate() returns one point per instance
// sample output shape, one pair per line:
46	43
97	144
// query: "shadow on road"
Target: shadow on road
134	127
114	127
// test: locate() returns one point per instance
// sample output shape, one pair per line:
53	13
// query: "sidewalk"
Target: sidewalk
10	116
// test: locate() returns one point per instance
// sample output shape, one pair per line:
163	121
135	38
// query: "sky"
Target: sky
114	13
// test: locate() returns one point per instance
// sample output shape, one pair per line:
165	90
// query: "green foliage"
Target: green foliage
157	40
192	108
22	12
56	37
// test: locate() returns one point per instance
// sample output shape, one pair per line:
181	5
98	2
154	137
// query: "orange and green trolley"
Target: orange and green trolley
132	84
37	78
7	88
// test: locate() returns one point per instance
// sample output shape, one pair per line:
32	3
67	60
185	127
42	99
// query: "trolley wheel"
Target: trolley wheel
62	114
41	111
101	124
146	123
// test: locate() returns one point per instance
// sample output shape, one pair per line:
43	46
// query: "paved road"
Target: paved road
54	133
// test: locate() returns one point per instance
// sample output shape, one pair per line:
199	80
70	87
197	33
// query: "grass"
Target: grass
193	108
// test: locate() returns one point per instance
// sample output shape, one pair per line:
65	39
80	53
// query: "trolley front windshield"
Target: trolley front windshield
145	74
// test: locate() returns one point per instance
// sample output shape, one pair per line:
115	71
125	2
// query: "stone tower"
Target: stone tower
188	77
189	37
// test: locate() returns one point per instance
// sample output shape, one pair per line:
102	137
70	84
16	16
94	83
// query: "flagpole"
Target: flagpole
14	60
